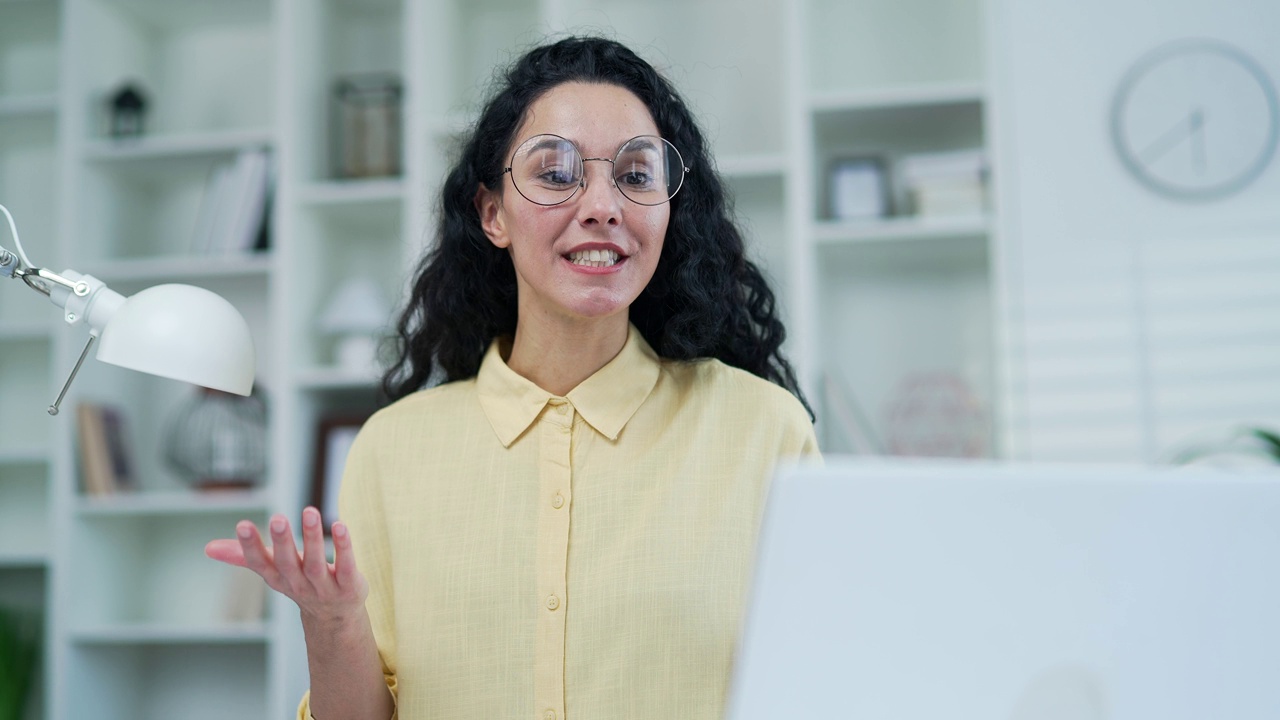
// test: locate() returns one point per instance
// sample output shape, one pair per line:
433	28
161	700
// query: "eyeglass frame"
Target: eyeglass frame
583	160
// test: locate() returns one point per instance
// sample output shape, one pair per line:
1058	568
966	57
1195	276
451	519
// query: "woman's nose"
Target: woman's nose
601	201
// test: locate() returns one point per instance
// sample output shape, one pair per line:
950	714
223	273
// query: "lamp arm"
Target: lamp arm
83	298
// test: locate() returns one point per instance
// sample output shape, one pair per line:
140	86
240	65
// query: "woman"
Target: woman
565	526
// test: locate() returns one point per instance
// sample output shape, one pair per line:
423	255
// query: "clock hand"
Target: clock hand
1197	140
1168	141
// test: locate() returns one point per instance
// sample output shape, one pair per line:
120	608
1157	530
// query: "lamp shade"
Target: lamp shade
357	307
181	332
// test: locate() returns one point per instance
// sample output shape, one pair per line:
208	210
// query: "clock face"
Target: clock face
1195	120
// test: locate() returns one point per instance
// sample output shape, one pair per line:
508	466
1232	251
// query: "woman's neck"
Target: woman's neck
557	354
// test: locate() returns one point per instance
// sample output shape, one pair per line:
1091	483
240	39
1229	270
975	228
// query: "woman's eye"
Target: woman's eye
635	178
553	176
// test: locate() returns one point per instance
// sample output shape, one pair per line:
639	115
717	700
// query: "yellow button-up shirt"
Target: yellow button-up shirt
583	557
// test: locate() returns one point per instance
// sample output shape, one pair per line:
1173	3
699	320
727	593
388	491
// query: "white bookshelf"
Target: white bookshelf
781	87
30	109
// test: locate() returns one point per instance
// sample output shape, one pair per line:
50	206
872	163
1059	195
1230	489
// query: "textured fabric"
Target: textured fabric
583	557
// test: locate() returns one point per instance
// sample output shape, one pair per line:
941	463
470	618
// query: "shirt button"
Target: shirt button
550	715
557	502
553	602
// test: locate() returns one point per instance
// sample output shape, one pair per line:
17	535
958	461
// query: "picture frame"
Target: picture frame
858	188
334	436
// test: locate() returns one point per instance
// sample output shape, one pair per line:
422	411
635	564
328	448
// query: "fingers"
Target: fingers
344	559
314	565
287	562
256	555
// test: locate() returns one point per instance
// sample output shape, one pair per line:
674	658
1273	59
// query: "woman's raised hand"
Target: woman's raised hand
324	591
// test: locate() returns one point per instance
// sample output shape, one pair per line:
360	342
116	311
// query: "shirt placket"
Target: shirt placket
554	476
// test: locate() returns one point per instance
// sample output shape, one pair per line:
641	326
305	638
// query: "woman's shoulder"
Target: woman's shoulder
731	388
439	404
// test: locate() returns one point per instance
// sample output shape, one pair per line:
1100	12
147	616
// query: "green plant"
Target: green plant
19	653
1240	445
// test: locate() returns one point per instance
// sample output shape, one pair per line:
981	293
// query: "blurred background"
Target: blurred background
1033	231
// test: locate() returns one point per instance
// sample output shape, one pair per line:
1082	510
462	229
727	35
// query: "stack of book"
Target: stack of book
233	213
945	183
105	463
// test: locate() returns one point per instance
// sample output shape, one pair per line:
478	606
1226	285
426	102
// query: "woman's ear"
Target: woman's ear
489	206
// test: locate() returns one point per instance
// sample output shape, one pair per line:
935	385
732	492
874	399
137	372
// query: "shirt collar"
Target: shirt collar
606	400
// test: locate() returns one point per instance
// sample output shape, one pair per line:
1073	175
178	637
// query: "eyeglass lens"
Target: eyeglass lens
548	170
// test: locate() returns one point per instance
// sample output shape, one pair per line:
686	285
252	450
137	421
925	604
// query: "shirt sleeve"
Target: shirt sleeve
361	508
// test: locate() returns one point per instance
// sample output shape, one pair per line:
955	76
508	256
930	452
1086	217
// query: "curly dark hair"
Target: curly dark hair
706	299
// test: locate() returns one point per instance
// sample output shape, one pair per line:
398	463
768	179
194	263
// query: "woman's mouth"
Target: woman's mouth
593	258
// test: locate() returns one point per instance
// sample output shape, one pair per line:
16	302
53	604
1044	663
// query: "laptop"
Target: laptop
980	591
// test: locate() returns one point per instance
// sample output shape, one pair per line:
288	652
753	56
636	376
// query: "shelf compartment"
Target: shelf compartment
147	403
203	68
339	39
147	201
733	85
890	133
28	49
342	242
861	44
24	507
148	572
27	391
196	681
926	307
469	39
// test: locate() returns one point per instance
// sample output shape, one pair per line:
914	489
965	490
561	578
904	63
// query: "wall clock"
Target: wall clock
1195	120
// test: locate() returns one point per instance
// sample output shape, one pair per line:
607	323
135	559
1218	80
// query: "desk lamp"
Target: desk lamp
176	331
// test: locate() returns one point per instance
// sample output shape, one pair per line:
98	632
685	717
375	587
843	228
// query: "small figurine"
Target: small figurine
128	109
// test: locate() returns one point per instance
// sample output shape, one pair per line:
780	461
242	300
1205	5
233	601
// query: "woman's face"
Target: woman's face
547	243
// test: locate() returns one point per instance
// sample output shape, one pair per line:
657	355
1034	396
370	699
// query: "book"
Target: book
106	465
95	458
216	184
247	206
233	210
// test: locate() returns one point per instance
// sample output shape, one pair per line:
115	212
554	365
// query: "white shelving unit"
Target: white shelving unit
29	111
782	88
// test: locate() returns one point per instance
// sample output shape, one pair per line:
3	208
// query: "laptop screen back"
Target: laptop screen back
973	590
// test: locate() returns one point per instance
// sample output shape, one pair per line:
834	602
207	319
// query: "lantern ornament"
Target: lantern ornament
128	111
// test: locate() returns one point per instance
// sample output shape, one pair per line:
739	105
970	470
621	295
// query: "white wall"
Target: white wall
1133	321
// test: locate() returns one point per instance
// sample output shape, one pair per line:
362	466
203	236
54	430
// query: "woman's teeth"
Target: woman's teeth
594	258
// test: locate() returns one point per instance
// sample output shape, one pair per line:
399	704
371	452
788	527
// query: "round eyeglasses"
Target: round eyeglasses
549	170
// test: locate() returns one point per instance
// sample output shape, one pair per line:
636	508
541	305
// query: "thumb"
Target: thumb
227	551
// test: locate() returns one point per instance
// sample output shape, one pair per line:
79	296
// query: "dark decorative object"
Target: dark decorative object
367	126
333	439
217	440
128	111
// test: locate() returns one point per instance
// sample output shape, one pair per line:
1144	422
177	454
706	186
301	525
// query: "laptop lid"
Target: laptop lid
929	590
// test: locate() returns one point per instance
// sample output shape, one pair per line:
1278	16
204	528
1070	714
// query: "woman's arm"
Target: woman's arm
347	680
